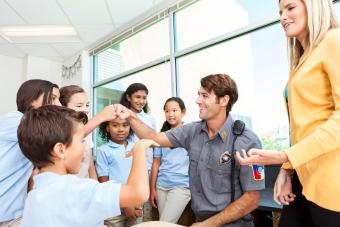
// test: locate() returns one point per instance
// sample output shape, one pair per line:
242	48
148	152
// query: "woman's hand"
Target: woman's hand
153	197
260	157
283	188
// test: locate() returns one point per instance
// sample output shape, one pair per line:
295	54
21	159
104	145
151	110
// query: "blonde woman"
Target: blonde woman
309	179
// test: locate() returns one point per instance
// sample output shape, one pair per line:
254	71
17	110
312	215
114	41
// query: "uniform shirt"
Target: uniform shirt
314	119
208	179
67	200
15	169
149	121
112	163
173	171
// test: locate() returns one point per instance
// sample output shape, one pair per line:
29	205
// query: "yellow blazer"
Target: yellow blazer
314	116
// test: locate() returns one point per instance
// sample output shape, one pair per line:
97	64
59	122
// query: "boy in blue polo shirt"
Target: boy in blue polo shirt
52	138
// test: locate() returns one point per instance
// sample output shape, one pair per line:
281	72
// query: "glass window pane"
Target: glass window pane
208	19
258	63
337	10
158	81
141	48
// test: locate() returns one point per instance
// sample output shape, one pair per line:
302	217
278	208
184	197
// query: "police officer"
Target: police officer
222	195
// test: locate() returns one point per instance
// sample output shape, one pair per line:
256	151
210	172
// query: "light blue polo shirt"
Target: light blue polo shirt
173	171
112	163
149	121
15	169
67	200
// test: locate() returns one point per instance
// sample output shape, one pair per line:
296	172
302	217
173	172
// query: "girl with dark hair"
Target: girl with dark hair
112	164
15	168
74	97
135	98
170	169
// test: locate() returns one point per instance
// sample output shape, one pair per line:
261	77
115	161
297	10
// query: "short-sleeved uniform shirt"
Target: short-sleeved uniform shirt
173	171
209	180
111	161
70	201
15	169
150	122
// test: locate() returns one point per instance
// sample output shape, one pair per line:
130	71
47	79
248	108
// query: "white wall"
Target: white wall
11	77
83	77
14	71
41	68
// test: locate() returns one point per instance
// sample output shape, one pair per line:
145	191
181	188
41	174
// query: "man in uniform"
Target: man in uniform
209	143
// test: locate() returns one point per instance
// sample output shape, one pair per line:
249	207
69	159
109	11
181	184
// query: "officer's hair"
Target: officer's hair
40	129
221	85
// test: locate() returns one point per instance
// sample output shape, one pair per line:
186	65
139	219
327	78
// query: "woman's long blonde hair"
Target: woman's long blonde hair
320	18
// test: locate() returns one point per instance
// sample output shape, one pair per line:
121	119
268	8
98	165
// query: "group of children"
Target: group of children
70	188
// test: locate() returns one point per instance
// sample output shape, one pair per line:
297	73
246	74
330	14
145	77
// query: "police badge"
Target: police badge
225	157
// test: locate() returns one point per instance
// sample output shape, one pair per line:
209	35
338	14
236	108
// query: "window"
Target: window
208	19
258	64
147	45
257	61
158	81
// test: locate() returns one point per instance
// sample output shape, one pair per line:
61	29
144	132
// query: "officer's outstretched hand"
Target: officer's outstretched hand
260	157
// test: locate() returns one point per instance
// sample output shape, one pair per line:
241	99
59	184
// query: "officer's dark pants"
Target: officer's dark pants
239	223
302	212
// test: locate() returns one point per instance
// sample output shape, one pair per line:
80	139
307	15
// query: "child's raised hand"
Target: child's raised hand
122	112
141	146
109	113
145	144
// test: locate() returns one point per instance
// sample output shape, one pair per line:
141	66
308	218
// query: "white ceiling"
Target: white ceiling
92	19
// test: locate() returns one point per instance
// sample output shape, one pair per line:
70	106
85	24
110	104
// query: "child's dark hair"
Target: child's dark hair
129	91
31	90
40	129
67	92
166	126
105	135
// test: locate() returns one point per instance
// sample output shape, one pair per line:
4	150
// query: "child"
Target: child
74	97
60	198
170	169
135	98
15	168
112	165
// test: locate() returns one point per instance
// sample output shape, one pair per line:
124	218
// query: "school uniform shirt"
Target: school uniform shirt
314	117
149	121
70	201
173	171
112	163
15	169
